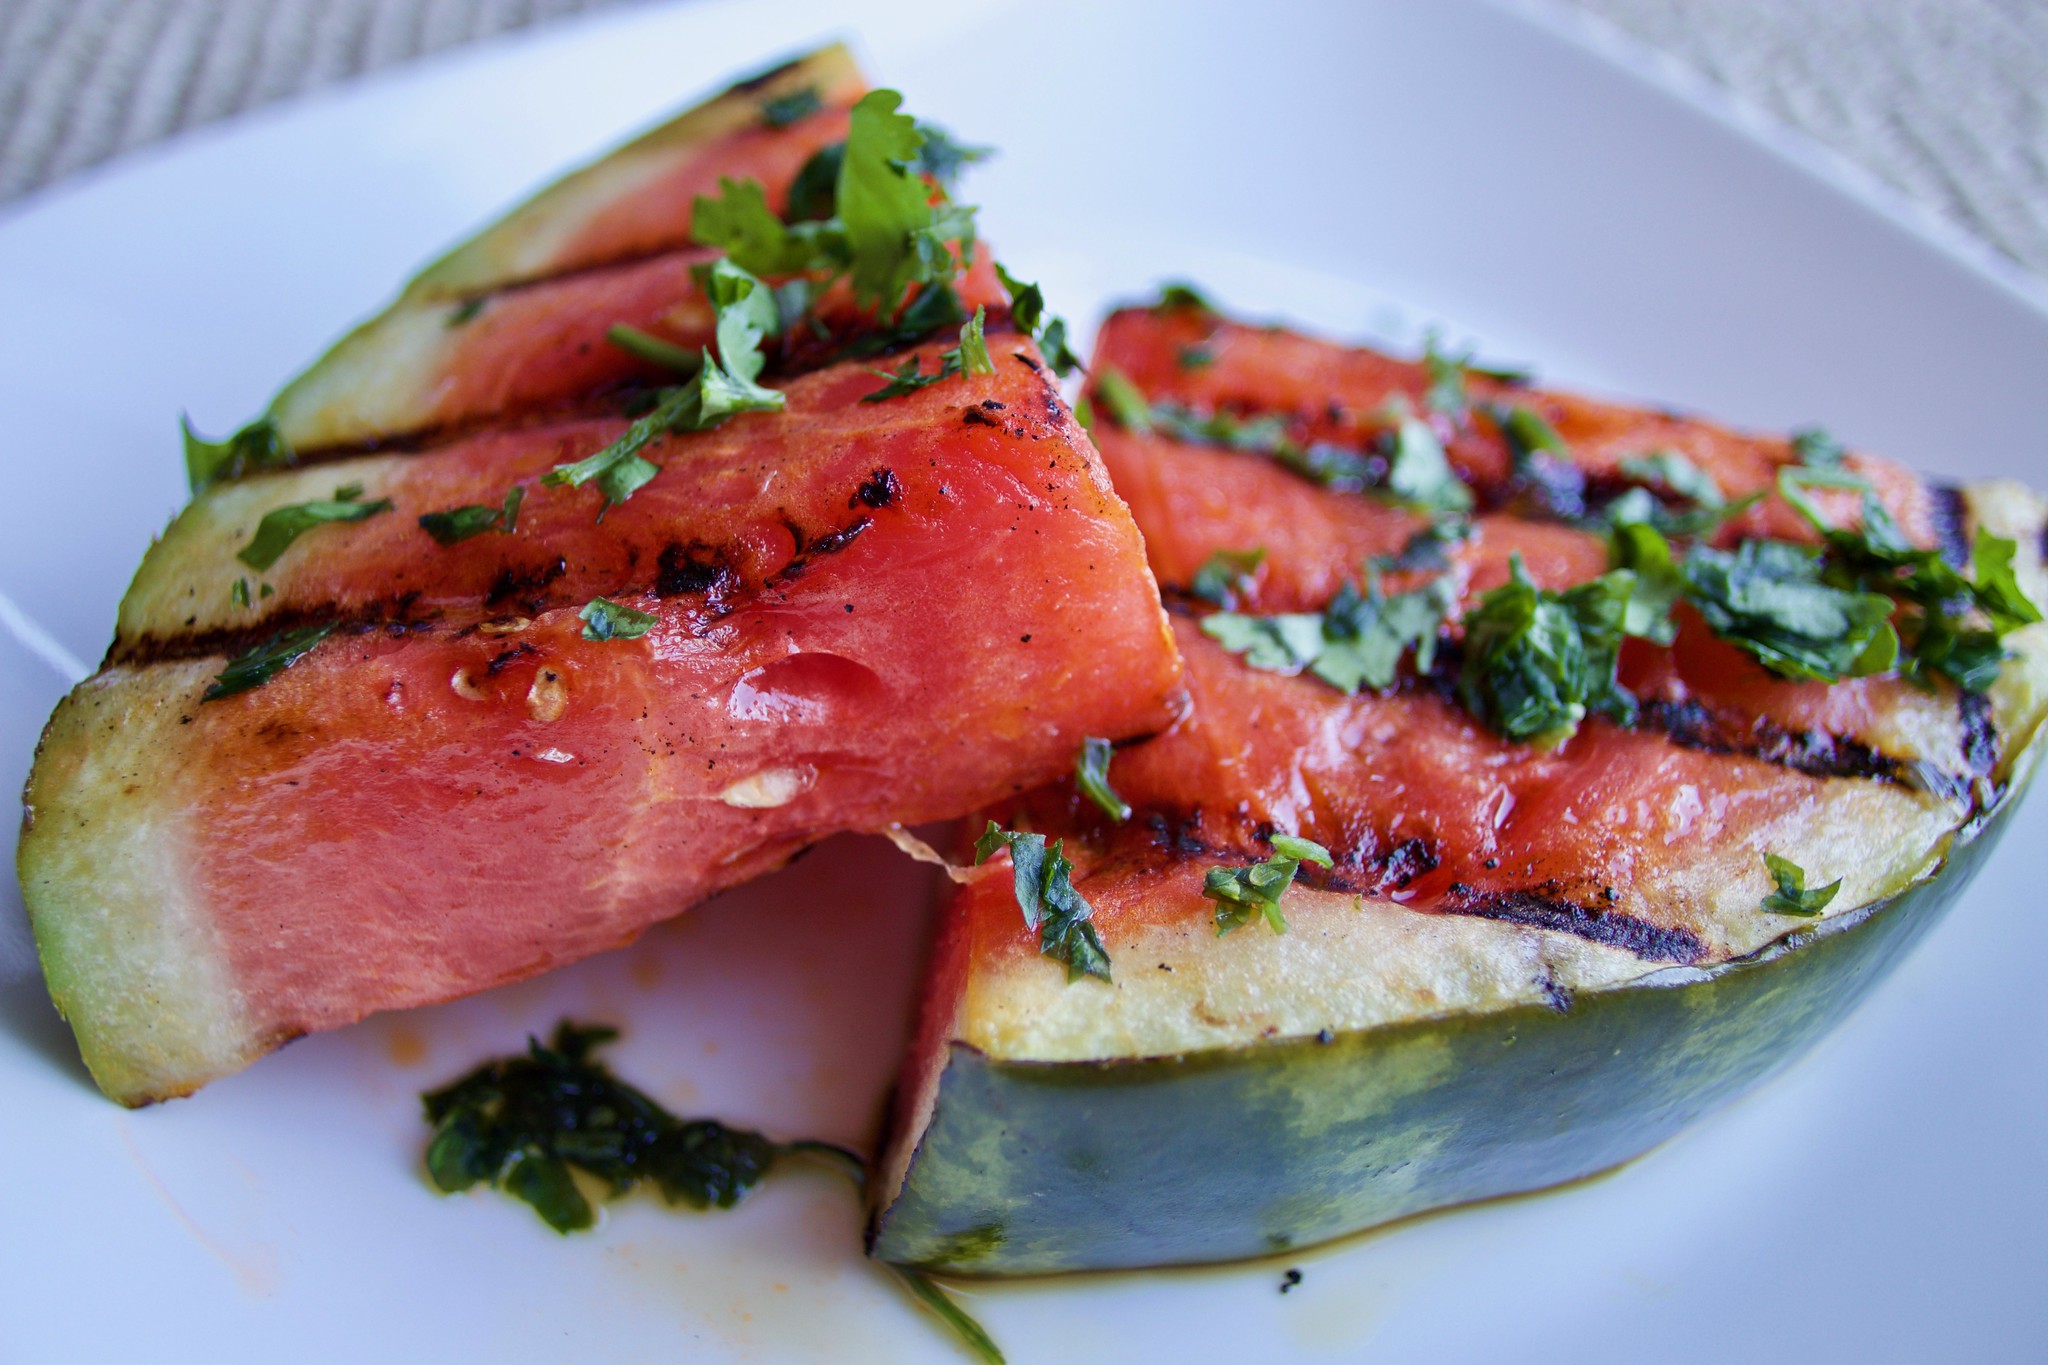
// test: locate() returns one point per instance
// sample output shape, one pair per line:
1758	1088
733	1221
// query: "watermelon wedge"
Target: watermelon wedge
460	681
1526	960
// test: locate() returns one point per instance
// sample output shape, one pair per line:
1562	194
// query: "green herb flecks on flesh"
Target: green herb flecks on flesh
1045	893
458	524
1768	598
259	445
604	619
1226	576
1241	893
783	110
1537	662
259	665
1358	641
1791	896
970	356
283	525
1091	777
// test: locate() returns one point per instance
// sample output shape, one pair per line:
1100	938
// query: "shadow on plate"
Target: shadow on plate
27	1015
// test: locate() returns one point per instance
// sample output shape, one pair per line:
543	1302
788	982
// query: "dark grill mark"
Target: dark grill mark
1816	754
524	583
1951	523
506	659
1651	942
881	490
975	417
831	543
1980	733
692	568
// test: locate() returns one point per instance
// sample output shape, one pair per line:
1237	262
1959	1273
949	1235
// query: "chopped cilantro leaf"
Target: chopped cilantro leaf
1542	461
1418	471
239	593
1642	549
652	349
1816	449
973	348
943	157
1356	642
908	377
783	110
1121	401
1091	775
259	665
969	357
1196	357
1429	547
1226	575
1538	662
1045	893
1792	897
460	523
1997	587
1242	892
740	221
814	194
465	311
604	619
259	445
1670	470
881	202
1027	311
1768	598
283	525
1178	295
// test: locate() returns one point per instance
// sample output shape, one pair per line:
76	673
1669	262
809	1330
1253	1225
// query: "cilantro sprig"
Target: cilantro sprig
1243	893
1043	881
1357	641
283	525
1791	896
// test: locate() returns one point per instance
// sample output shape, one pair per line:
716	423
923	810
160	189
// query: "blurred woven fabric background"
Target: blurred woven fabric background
1947	100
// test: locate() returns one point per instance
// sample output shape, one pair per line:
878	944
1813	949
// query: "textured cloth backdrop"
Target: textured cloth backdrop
1945	99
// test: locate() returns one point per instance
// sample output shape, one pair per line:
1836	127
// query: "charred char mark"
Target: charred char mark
1408	860
693	568
394	617
1651	942
975	417
1980	733
525	583
1817	754
1951	524
505	660
881	490
831	543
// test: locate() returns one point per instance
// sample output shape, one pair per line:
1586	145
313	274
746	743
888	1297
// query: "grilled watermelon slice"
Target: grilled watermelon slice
1525	964
427	771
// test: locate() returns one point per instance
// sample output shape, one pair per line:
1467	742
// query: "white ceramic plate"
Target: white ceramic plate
1489	168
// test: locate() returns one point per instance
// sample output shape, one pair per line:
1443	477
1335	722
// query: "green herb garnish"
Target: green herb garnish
604	619
1670	470
239	593
1816	449
283	525
1091	775
1418	472
259	665
1178	295
1792	897
259	445
1538	662
1226	575
652	349
882	203
1196	357
460	523
783	110
1356	642
1769	598
970	356
1242	892
465	311
1027	311
943	156
1045	893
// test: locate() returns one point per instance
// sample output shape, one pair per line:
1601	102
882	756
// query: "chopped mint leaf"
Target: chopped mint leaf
1816	449
1045	893
458	524
1538	662
1091	775
1792	897
1642	549
973	350
783	110
604	619
1997	586
1226	575
259	445
1243	892
283	525
652	349
465	311
1672	471
1768	598
239	593
259	665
